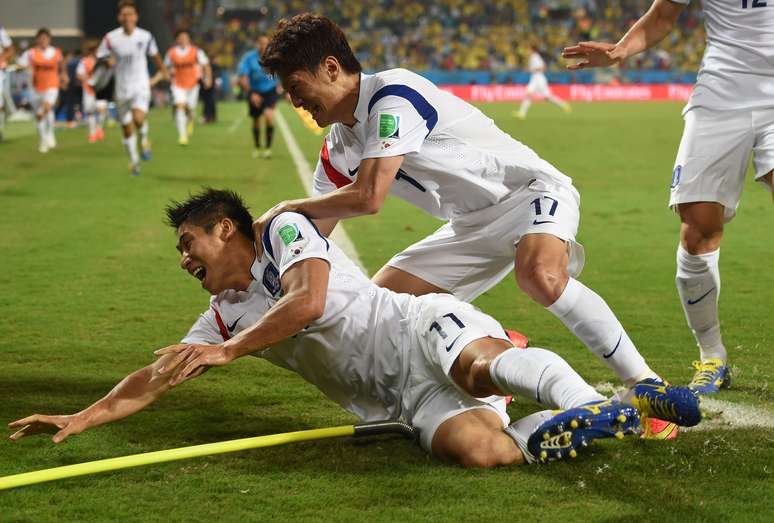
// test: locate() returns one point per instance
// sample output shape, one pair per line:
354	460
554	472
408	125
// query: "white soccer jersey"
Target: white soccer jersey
131	53
353	353
456	160
737	70
536	63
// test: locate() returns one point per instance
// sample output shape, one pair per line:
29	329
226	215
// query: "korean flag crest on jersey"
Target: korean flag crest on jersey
291	236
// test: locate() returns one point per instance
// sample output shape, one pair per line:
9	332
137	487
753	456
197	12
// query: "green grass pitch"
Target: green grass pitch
90	286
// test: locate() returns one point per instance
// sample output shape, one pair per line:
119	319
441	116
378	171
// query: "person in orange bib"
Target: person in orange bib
48	74
188	64
95	110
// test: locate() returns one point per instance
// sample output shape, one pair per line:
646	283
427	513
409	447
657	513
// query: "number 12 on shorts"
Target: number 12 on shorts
550	204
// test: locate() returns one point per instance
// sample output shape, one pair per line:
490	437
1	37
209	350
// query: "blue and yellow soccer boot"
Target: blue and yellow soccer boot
569	431
711	375
657	399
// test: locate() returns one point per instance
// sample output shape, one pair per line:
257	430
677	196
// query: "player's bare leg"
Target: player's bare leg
489	366
768	179
476	438
401	281
541	272
698	284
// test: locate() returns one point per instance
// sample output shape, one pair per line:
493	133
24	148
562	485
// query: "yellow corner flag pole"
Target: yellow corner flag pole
308	121
161	456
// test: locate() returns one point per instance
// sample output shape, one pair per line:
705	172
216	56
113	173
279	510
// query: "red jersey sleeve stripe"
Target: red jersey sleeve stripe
338	179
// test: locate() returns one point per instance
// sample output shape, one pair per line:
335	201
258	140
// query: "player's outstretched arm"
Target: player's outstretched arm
650	29
162	73
132	394
365	195
305	287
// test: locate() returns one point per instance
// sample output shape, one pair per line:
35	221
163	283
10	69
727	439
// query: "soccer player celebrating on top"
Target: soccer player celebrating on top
95	110
187	62
538	84
261	95
729	116
127	48
48	75
396	132
291	297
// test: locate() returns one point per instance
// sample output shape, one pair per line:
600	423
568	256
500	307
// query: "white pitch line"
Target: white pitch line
719	414
339	235
235	124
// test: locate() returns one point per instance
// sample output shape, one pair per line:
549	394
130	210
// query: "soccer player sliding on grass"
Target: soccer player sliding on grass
507	209
294	299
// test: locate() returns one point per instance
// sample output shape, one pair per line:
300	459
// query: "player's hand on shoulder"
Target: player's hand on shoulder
593	54
60	426
263	220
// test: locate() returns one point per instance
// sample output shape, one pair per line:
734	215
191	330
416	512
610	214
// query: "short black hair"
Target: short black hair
303	42
181	31
208	207
43	31
127	3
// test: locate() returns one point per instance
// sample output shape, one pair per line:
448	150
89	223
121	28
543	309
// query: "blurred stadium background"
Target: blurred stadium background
451	42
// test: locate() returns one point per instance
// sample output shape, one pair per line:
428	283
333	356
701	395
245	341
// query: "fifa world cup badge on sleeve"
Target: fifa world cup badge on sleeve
289	233
389	126
291	237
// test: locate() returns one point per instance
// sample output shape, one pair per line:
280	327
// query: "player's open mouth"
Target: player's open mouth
199	273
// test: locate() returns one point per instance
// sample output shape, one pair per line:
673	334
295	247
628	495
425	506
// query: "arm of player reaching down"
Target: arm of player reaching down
135	392
365	195
649	30
300	254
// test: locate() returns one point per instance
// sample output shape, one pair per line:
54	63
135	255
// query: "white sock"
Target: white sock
543	376
525	106
131	148
698	284
587	316
2	116
92	123
181	121
521	429
101	119
558	101
42	126
144	131
50	121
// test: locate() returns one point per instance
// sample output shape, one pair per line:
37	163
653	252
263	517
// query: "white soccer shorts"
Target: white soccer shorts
538	84
139	101
187	97
439	329
37	98
472	253
714	152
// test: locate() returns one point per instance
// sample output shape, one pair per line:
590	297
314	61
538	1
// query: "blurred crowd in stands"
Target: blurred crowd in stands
446	34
